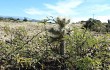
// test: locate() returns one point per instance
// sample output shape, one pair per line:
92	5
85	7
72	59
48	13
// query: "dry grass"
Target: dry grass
31	27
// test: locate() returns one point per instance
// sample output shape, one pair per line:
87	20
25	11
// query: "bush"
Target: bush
108	27
25	19
94	25
82	50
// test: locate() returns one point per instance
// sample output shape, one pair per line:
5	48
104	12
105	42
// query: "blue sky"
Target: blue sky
76	10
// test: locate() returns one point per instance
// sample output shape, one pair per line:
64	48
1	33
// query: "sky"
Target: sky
76	10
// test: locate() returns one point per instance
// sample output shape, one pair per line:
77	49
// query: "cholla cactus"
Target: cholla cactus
59	33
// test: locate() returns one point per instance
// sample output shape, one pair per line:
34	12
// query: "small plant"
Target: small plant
80	50
93	25
59	33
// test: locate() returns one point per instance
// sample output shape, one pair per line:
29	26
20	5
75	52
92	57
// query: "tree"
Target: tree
93	24
108	21
1	18
25	19
108	26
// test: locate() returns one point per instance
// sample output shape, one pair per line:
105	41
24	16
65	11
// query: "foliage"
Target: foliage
25	19
59	33
83	51
94	25
108	27
12	19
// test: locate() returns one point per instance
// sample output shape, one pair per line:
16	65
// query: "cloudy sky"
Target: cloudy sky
76	10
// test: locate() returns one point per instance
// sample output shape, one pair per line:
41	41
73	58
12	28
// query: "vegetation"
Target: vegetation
59	33
25	19
95	25
13	19
108	26
6	19
56	48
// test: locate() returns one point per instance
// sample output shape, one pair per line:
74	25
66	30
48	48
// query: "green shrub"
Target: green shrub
94	25
83	51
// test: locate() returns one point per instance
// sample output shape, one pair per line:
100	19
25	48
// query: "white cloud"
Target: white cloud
33	11
65	7
100	8
77	19
103	18
70	9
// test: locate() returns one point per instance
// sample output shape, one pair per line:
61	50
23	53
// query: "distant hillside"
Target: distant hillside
17	19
